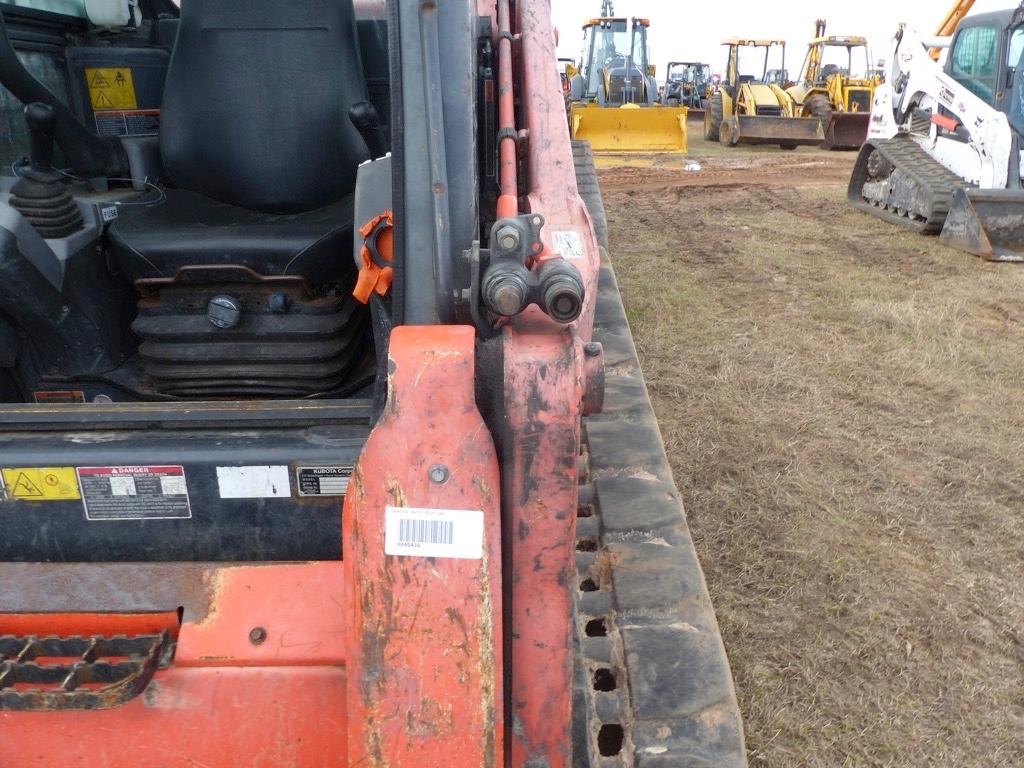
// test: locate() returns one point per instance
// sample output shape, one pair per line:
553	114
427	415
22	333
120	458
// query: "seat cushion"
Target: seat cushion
187	229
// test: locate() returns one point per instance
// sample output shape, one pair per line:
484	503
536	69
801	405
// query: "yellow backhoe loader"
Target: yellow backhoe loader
837	87
754	109
613	97
688	84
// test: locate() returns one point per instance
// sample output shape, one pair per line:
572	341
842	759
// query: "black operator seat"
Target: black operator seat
256	140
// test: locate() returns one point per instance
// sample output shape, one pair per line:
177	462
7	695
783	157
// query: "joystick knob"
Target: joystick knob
40	195
366	120
41	122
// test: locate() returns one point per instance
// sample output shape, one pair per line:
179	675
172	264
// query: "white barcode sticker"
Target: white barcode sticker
415	532
568	243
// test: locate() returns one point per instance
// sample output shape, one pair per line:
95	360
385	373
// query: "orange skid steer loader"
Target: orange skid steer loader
323	440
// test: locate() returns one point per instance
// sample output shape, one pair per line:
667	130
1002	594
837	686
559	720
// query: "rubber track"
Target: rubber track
906	155
653	686
590	191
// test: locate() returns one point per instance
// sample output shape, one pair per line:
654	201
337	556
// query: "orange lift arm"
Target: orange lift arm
953	16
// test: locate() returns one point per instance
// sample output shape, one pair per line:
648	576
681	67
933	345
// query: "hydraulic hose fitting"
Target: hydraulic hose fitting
506	285
561	290
506	288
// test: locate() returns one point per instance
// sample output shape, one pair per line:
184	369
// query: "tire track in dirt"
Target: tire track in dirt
754	172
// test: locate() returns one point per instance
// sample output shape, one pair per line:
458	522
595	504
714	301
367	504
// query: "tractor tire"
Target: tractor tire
590	191
713	118
818	106
729	132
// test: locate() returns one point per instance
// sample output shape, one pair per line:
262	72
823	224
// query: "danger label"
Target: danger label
323	481
110	88
41	483
134	493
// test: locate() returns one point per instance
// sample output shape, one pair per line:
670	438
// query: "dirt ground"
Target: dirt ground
843	406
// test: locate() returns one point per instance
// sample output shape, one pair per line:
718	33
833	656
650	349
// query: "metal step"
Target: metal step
61	673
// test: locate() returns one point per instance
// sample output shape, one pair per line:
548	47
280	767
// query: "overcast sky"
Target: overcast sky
693	31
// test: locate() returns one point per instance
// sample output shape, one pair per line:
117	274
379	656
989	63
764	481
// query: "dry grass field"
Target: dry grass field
843	407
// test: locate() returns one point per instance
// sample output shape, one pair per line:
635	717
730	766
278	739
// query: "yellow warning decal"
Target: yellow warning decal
41	483
110	88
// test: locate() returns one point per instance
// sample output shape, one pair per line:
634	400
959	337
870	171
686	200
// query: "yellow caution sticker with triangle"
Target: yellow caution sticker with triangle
110	88
40	483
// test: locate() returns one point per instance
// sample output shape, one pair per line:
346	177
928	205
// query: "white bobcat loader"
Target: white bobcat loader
943	153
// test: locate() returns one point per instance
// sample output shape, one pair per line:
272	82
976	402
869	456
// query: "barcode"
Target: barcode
425	532
422	532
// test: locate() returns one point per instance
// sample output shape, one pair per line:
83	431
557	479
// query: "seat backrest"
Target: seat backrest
255	108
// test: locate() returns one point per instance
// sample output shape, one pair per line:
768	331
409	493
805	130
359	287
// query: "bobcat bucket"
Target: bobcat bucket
784	131
629	128
987	222
847	130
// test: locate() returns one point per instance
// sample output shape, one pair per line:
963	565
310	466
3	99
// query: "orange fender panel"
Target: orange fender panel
215	718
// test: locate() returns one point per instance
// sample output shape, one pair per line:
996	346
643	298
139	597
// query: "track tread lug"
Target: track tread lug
643	580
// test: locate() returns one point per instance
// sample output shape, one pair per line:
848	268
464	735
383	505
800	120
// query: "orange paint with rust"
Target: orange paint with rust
224	701
543	389
297	605
208	717
64	624
425	633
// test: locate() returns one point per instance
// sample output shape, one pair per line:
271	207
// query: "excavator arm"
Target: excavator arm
812	70
957	11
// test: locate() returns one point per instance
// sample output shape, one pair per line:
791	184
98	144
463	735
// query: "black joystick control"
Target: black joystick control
41	124
366	120
40	195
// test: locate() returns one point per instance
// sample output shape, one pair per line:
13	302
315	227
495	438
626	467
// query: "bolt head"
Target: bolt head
508	238
438	473
224	311
257	635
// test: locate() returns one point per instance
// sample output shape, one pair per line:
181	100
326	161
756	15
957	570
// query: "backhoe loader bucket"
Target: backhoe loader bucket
987	222
630	128
847	130
784	131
